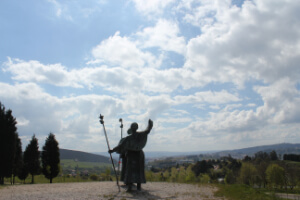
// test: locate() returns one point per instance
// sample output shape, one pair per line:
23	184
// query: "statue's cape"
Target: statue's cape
134	142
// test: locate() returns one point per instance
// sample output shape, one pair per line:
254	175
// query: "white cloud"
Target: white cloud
34	71
116	79
163	35
281	101
121	51
151	8
202	13
207	97
252	42
61	10
74	120
277	120
73	117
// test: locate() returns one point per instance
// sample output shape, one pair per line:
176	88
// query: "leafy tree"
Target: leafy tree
291	177
149	175
248	173
181	175
261	156
202	167
173	174
50	158
190	175
247	158
261	168
7	142
229	177
234	165
273	155
275	175
32	158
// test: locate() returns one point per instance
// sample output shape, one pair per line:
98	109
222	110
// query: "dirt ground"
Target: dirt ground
107	191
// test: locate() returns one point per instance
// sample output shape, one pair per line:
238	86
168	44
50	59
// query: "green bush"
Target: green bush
94	177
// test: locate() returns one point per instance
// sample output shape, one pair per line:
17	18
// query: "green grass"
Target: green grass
69	163
66	166
293	163
243	192
43	179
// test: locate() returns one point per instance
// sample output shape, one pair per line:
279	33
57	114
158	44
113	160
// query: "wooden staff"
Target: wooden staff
112	161
120	120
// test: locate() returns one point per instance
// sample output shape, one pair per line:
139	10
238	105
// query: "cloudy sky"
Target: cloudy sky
211	74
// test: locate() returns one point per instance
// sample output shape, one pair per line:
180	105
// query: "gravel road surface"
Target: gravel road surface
106	190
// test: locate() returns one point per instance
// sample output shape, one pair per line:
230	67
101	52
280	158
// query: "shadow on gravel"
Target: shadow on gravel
144	194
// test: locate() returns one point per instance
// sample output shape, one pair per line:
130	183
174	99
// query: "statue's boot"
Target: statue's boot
129	188
139	187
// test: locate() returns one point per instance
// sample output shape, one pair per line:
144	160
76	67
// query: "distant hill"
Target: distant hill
161	154
281	149
83	156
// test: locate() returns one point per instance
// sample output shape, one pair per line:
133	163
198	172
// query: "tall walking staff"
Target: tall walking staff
120	120
112	161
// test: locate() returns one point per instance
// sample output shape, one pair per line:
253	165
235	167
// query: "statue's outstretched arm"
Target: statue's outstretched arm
119	147
148	129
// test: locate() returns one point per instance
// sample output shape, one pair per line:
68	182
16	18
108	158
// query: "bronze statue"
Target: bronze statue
132	149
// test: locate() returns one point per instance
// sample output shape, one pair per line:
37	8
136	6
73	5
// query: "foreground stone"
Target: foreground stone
106	190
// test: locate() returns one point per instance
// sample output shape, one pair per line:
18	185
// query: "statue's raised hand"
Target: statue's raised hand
150	123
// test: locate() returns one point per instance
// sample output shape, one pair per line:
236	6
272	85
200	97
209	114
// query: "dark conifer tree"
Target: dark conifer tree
32	157
2	141
50	158
23	173
8	131
18	158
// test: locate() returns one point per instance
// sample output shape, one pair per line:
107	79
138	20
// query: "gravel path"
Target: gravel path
107	191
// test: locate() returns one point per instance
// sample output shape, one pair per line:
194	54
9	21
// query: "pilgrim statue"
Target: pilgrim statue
133	158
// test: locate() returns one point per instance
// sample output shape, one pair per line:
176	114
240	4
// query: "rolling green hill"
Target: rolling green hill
80	156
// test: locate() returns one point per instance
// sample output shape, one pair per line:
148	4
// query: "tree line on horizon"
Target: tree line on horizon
261	170
15	162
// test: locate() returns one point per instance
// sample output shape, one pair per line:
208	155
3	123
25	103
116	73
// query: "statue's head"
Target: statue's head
133	127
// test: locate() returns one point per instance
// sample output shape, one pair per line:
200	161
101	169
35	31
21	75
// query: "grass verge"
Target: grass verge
243	192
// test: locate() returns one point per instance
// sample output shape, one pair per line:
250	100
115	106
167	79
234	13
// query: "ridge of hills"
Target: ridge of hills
282	148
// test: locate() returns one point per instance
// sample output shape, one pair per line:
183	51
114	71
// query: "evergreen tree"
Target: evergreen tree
17	163
8	131
2	140
32	157
50	158
23	173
